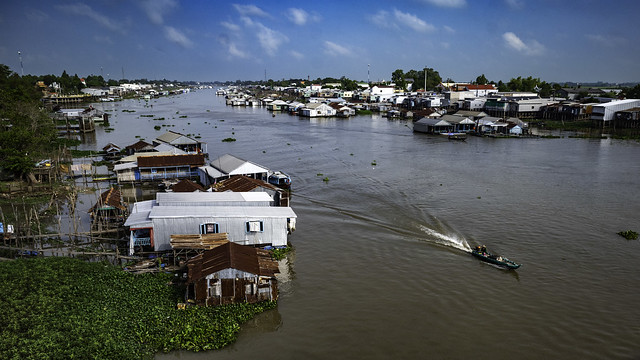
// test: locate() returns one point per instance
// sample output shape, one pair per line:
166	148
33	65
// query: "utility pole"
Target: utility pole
425	79
21	67
368	81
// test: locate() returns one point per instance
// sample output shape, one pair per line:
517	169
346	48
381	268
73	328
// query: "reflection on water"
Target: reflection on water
381	259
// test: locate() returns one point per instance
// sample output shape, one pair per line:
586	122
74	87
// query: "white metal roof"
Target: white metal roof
139	216
160	212
232	165
213	198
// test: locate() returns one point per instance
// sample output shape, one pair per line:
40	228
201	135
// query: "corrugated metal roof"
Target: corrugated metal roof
186	185
170	149
159	212
240	183
169	136
109	198
211	198
171	160
231	255
129	165
139	216
231	165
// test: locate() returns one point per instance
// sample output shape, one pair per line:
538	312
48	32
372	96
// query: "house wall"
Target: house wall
275	230
234	286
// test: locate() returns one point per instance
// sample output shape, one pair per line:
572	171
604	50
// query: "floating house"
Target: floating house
183	142
109	207
228	165
432	126
247	217
240	183
232	273
140	146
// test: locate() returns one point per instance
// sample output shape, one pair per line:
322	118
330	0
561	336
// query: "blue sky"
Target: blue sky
207	40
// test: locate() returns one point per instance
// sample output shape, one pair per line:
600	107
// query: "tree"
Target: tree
28	134
481	80
398	78
632	93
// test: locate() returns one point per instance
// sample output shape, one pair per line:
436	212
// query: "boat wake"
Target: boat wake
447	240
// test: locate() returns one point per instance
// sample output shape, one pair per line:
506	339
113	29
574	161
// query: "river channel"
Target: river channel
381	267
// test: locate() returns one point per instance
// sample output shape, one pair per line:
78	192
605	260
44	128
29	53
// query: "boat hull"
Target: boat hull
496	260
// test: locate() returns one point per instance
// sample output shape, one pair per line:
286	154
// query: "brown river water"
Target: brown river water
381	267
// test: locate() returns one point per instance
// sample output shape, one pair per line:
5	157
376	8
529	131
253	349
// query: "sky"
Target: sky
216	40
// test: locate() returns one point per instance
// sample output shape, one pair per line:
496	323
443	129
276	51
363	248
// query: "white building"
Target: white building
317	110
605	112
247	218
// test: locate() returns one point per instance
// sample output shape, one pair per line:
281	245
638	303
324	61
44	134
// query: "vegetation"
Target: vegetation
629	234
280	253
27	134
62	308
229	139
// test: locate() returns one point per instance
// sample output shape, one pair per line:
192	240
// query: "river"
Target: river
381	267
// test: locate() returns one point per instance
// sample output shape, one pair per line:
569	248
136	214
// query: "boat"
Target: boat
280	179
456	136
481	253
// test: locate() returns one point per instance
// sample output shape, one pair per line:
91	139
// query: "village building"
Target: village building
241	183
604	114
317	110
248	218
232	273
432	126
156	166
182	142
109	208
228	165
140	146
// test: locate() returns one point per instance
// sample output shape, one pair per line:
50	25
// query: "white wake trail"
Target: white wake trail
447	240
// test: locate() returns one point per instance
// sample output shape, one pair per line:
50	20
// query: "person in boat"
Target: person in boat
483	249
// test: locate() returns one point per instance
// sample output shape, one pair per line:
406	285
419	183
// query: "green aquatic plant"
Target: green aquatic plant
629	234
229	139
62	308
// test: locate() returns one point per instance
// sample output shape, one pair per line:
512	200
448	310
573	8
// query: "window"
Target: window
211	228
254	226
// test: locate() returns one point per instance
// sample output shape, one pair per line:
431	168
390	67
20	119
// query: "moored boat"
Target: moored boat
481	253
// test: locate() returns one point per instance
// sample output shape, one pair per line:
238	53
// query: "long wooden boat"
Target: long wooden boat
482	254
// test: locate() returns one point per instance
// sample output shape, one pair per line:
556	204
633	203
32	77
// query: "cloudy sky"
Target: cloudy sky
207	40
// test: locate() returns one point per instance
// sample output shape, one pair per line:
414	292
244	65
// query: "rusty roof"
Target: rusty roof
232	255
186	185
171	160
241	183
141	144
109	198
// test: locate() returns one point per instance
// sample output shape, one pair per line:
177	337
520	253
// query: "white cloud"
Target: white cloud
270	39
447	3
513	41
331	48
381	19
103	39
86	10
412	21
515	4
36	15
176	36
297	16
250	10
234	51
608	41
449	29
156	9
230	26
296	54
